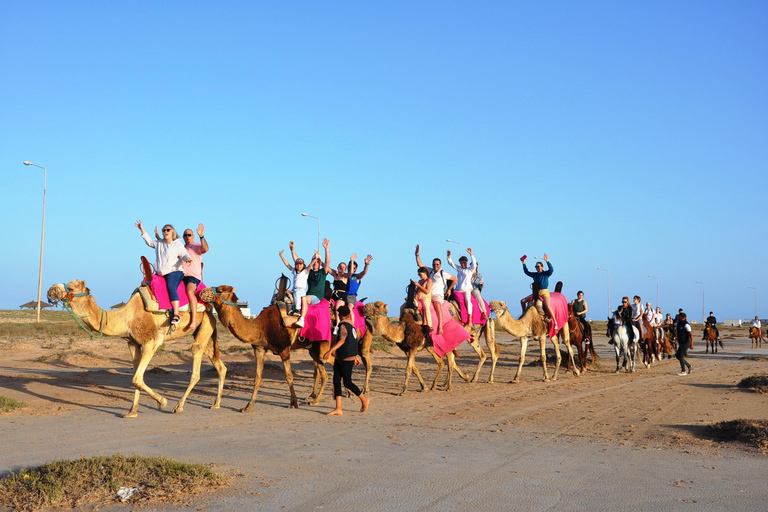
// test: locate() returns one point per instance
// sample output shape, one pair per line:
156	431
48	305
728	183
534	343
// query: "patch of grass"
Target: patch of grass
9	404
757	382
43	329
63	355
97	480
754	358
747	431
236	349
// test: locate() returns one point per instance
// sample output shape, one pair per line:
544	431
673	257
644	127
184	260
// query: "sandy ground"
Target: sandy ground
601	441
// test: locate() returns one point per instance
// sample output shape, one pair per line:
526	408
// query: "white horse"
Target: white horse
624	350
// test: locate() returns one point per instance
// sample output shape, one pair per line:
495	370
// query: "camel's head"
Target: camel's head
368	310
218	294
65	292
498	306
380	308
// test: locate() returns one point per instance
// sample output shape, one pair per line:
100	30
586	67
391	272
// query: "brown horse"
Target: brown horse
756	337
711	340
582	338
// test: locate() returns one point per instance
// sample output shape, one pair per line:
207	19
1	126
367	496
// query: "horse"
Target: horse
621	344
582	338
711	339
756	337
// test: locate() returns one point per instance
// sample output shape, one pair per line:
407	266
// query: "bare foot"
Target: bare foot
336	412
366	403
191	327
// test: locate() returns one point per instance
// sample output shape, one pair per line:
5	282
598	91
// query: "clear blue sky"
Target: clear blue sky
610	134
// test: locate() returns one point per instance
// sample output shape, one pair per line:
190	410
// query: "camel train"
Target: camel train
146	326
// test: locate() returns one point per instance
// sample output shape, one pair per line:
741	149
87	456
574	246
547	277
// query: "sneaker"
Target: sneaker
682	374
299	322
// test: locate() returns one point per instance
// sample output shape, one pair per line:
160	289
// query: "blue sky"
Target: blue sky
613	134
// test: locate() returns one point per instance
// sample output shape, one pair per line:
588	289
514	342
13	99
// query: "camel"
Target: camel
266	332
756	337
145	332
531	324
582	338
487	330
409	337
318	348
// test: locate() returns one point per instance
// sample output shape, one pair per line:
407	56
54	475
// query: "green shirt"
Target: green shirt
316	283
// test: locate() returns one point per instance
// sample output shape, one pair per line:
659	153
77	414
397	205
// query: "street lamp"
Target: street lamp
657	289
454	242
608	277
703	290
752	287
318	228
42	239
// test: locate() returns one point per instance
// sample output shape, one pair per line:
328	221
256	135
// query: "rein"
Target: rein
219	300
104	319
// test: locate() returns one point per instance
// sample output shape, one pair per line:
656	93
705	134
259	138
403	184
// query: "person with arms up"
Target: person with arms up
464	285
170	255
442	284
300	273
193	269
318	274
541	278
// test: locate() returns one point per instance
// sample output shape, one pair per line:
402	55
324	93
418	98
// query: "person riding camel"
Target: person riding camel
464	286
541	278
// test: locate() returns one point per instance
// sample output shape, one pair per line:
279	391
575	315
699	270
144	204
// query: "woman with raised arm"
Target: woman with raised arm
170	255
541	277
300	275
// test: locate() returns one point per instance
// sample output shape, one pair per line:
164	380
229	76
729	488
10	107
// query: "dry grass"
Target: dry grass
757	382
754	358
9	404
747	431
96	480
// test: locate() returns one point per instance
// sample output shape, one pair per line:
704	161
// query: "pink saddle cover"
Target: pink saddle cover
317	324
360	318
477	315
161	292
559	305
453	333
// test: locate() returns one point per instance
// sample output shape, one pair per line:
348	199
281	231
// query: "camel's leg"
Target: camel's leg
136	351
439	361
455	366
410	366
481	354
199	348
558	357
365	355
212	351
451	357
258	355
568	347
523	346
493	348
147	351
543	347
321	379
285	356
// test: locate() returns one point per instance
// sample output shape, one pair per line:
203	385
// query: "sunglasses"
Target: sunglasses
166	230
187	234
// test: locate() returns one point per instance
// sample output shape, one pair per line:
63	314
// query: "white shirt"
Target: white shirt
438	283
168	257
658	318
756	323
464	275
300	278
649	314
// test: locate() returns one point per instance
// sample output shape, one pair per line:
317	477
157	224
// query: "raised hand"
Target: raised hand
138	225
200	230
469	250
417	249
449	253
546	258
368	259
326	243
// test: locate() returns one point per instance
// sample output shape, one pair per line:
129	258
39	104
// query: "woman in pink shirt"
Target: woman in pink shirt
193	269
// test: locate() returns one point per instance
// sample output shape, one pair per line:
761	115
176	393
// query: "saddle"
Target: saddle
154	293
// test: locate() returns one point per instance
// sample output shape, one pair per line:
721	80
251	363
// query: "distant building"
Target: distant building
732	322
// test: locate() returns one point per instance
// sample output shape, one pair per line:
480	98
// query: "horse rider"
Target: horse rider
711	323
580	308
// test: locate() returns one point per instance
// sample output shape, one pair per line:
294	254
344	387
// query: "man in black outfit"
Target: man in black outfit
684	340
711	323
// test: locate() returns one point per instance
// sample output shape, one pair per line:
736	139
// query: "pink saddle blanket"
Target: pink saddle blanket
317	323
477	314
559	305
453	333
161	292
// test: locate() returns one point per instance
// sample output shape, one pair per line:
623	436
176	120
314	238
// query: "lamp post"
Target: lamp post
657	289
703	290
42	239
318	228
752	287
454	242
608	277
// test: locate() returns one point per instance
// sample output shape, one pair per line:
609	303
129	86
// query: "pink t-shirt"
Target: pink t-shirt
194	267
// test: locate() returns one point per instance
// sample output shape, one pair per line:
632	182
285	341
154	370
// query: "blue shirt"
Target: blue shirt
542	278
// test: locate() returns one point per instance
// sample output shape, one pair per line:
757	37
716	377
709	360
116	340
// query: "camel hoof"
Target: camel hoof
162	403
247	408
178	408
215	406
131	414
294	404
404	392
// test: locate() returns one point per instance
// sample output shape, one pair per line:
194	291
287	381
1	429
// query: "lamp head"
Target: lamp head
27	163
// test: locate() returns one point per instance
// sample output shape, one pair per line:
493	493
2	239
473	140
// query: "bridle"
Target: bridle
65	302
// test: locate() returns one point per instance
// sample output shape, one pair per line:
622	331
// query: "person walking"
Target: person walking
193	269
684	341
346	358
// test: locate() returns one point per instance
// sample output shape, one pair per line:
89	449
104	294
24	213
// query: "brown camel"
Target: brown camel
409	337
318	348
266	332
582	339
145	332
532	324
